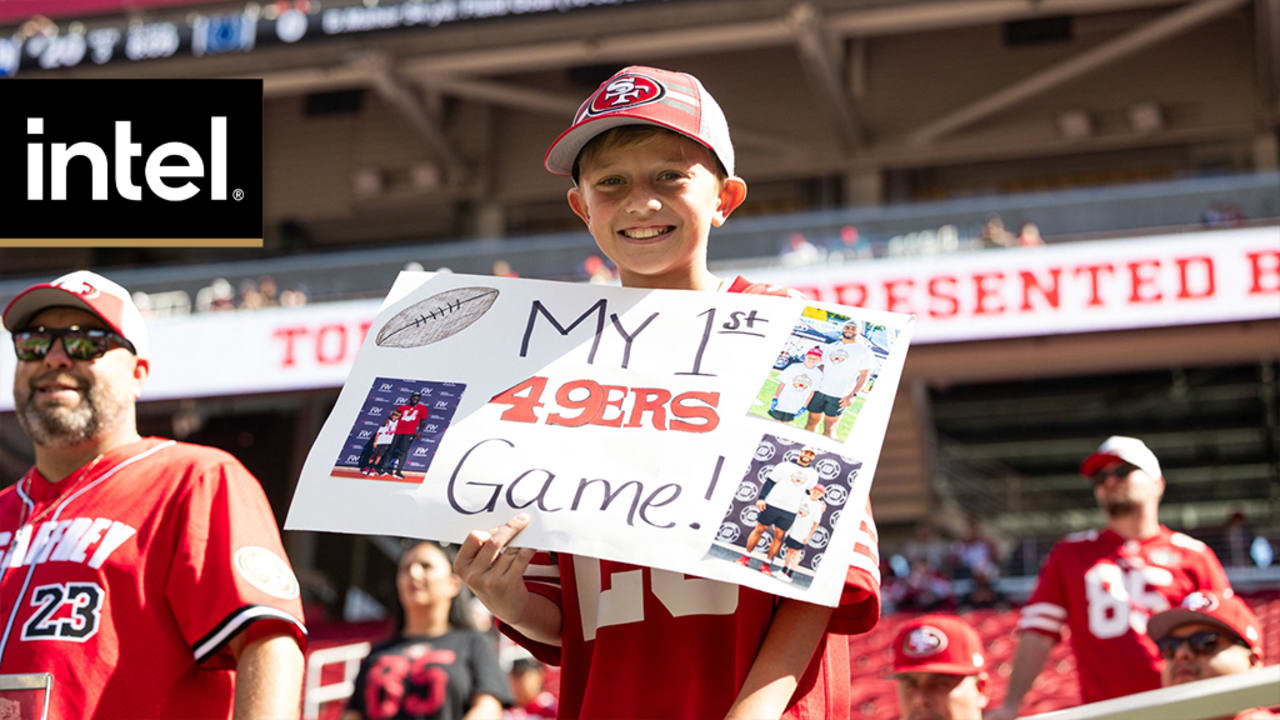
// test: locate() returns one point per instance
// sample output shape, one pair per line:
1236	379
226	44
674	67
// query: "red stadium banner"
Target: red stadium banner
15	11
1165	280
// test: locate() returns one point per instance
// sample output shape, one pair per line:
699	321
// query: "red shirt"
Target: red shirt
1104	589
127	580
675	646
411	416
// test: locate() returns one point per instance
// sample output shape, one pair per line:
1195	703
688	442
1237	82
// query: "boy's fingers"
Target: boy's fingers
470	547
520	561
500	536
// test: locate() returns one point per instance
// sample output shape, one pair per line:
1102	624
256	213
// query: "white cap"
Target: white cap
87	291
1127	449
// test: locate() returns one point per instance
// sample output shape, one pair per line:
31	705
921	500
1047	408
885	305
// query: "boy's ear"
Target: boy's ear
732	192
579	204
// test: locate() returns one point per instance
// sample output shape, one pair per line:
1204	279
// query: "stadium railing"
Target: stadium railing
1212	698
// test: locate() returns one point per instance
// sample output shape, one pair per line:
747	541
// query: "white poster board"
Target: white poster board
631	425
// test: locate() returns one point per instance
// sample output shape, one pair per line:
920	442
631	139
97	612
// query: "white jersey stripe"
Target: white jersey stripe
862	562
237	622
1039	623
1045	609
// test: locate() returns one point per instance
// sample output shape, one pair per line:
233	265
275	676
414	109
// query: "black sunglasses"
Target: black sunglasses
79	343
1201	643
1120	472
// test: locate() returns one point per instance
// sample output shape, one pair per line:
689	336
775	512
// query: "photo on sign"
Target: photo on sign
823	373
785	510
398	430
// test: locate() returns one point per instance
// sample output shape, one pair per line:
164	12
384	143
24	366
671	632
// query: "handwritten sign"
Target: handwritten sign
714	434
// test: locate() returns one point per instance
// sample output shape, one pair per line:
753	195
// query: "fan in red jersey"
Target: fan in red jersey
1105	585
145	575
407	430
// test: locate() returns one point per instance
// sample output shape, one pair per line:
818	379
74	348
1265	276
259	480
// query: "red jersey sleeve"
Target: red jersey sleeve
228	570
1046	609
542	577
859	608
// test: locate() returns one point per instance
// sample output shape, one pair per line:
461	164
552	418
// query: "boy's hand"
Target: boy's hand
760	505
495	572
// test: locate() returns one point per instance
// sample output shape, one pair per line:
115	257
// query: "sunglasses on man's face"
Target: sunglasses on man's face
79	343
1120	472
1201	643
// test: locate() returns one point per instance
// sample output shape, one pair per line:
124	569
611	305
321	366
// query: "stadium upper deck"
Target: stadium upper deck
392	122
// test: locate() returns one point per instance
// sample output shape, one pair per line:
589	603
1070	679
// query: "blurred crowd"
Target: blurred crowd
220	296
933	571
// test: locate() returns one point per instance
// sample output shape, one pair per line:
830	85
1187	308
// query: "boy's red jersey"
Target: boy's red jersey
1104	588
642	642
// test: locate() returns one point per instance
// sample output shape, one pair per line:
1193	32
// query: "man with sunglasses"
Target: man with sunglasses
1209	636
145	575
1105	585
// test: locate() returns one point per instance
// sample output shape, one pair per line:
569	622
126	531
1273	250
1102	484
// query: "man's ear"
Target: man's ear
981	683
579	204
732	192
141	370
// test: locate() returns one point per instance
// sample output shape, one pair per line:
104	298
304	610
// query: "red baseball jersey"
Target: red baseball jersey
670	645
411	416
1104	588
127	580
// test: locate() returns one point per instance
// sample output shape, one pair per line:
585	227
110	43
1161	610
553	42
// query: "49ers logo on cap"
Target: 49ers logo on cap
626	91
81	288
1200	602
924	641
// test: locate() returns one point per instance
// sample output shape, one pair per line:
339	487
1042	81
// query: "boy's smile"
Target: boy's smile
650	205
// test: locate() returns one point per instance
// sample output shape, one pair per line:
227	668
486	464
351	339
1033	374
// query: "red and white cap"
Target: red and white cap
938	644
815	351
1229	613
88	291
1126	449
638	95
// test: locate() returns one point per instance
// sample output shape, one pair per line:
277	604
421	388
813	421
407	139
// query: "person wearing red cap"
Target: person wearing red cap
1208	636
939	670
1105	585
796	385
653	171
145	575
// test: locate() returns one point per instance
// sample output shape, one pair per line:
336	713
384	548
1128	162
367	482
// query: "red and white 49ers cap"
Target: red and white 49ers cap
1229	613
1128	449
88	291
938	644
639	95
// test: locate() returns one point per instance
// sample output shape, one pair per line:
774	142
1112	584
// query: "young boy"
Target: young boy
652	164
801	531
796	386
371	458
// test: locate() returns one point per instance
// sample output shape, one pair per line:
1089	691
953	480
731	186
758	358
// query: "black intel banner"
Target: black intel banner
154	162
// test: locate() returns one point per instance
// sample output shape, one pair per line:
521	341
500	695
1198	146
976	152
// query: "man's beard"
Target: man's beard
1119	508
62	426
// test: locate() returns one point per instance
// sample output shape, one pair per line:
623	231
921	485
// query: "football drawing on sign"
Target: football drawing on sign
398	429
822	374
785	510
440	316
